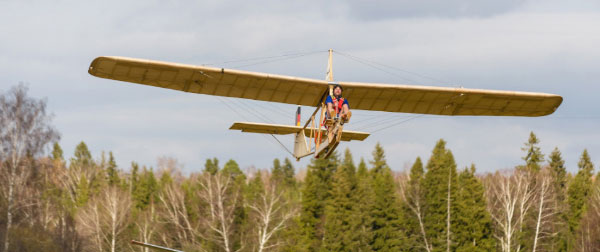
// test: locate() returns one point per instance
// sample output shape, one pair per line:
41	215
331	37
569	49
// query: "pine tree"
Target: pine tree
277	171
413	209
578	194
339	231
211	166
534	156
440	184
315	193
112	171
558	173
83	192
57	152
385	212
240	214
232	169
473	231
361	215
378	163
289	176
146	189
82	155
134	178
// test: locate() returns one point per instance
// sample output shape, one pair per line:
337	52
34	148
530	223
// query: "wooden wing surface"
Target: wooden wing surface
309	92
280	129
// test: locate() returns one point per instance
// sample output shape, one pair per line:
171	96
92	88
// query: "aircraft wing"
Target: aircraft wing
280	129
309	92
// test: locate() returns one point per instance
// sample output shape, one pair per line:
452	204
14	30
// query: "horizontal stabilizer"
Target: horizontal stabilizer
280	129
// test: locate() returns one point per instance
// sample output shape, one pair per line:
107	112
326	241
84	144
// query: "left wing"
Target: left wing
309	92
211	81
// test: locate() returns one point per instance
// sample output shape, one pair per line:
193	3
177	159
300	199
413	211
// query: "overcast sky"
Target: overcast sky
541	46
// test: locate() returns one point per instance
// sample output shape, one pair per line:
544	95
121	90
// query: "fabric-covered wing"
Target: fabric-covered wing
309	92
448	101
280	129
211	81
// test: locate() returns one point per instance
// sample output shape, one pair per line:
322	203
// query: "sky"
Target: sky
540	46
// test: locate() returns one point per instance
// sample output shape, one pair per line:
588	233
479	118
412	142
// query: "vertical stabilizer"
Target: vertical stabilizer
300	145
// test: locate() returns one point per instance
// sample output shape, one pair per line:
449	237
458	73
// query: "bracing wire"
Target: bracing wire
263	58
253	111
381	122
356	58
241	115
282	145
286	57
398	123
376	67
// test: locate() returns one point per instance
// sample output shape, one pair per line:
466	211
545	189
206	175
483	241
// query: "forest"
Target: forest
55	201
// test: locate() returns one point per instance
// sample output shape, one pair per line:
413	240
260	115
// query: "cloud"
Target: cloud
369	10
543	46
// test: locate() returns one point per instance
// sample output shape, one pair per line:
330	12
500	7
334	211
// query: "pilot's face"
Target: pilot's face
337	91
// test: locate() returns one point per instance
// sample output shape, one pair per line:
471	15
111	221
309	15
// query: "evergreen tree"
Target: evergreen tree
83	192
339	231
534	156
362	171
558	173
378	163
277	171
57	152
232	169
112	171
315	193
254	188
289	176
146	189
240	214
361	214
385	211
82	156
578	194
211	166
440	184
134	178
473	231
413	209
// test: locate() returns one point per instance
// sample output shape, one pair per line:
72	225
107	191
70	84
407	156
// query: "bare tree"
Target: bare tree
147	225
271	212
25	130
176	216
221	195
545	210
412	195
105	218
588	235
509	199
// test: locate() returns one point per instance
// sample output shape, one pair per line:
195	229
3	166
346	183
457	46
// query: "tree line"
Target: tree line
50	202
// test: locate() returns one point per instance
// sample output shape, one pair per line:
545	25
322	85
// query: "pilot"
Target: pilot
338	105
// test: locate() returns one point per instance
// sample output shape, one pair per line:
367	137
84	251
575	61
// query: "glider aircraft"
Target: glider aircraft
326	133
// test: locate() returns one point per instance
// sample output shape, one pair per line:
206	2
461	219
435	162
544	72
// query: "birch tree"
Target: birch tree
25	130
413	200
271	212
509	198
221	196
105	218
544	211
